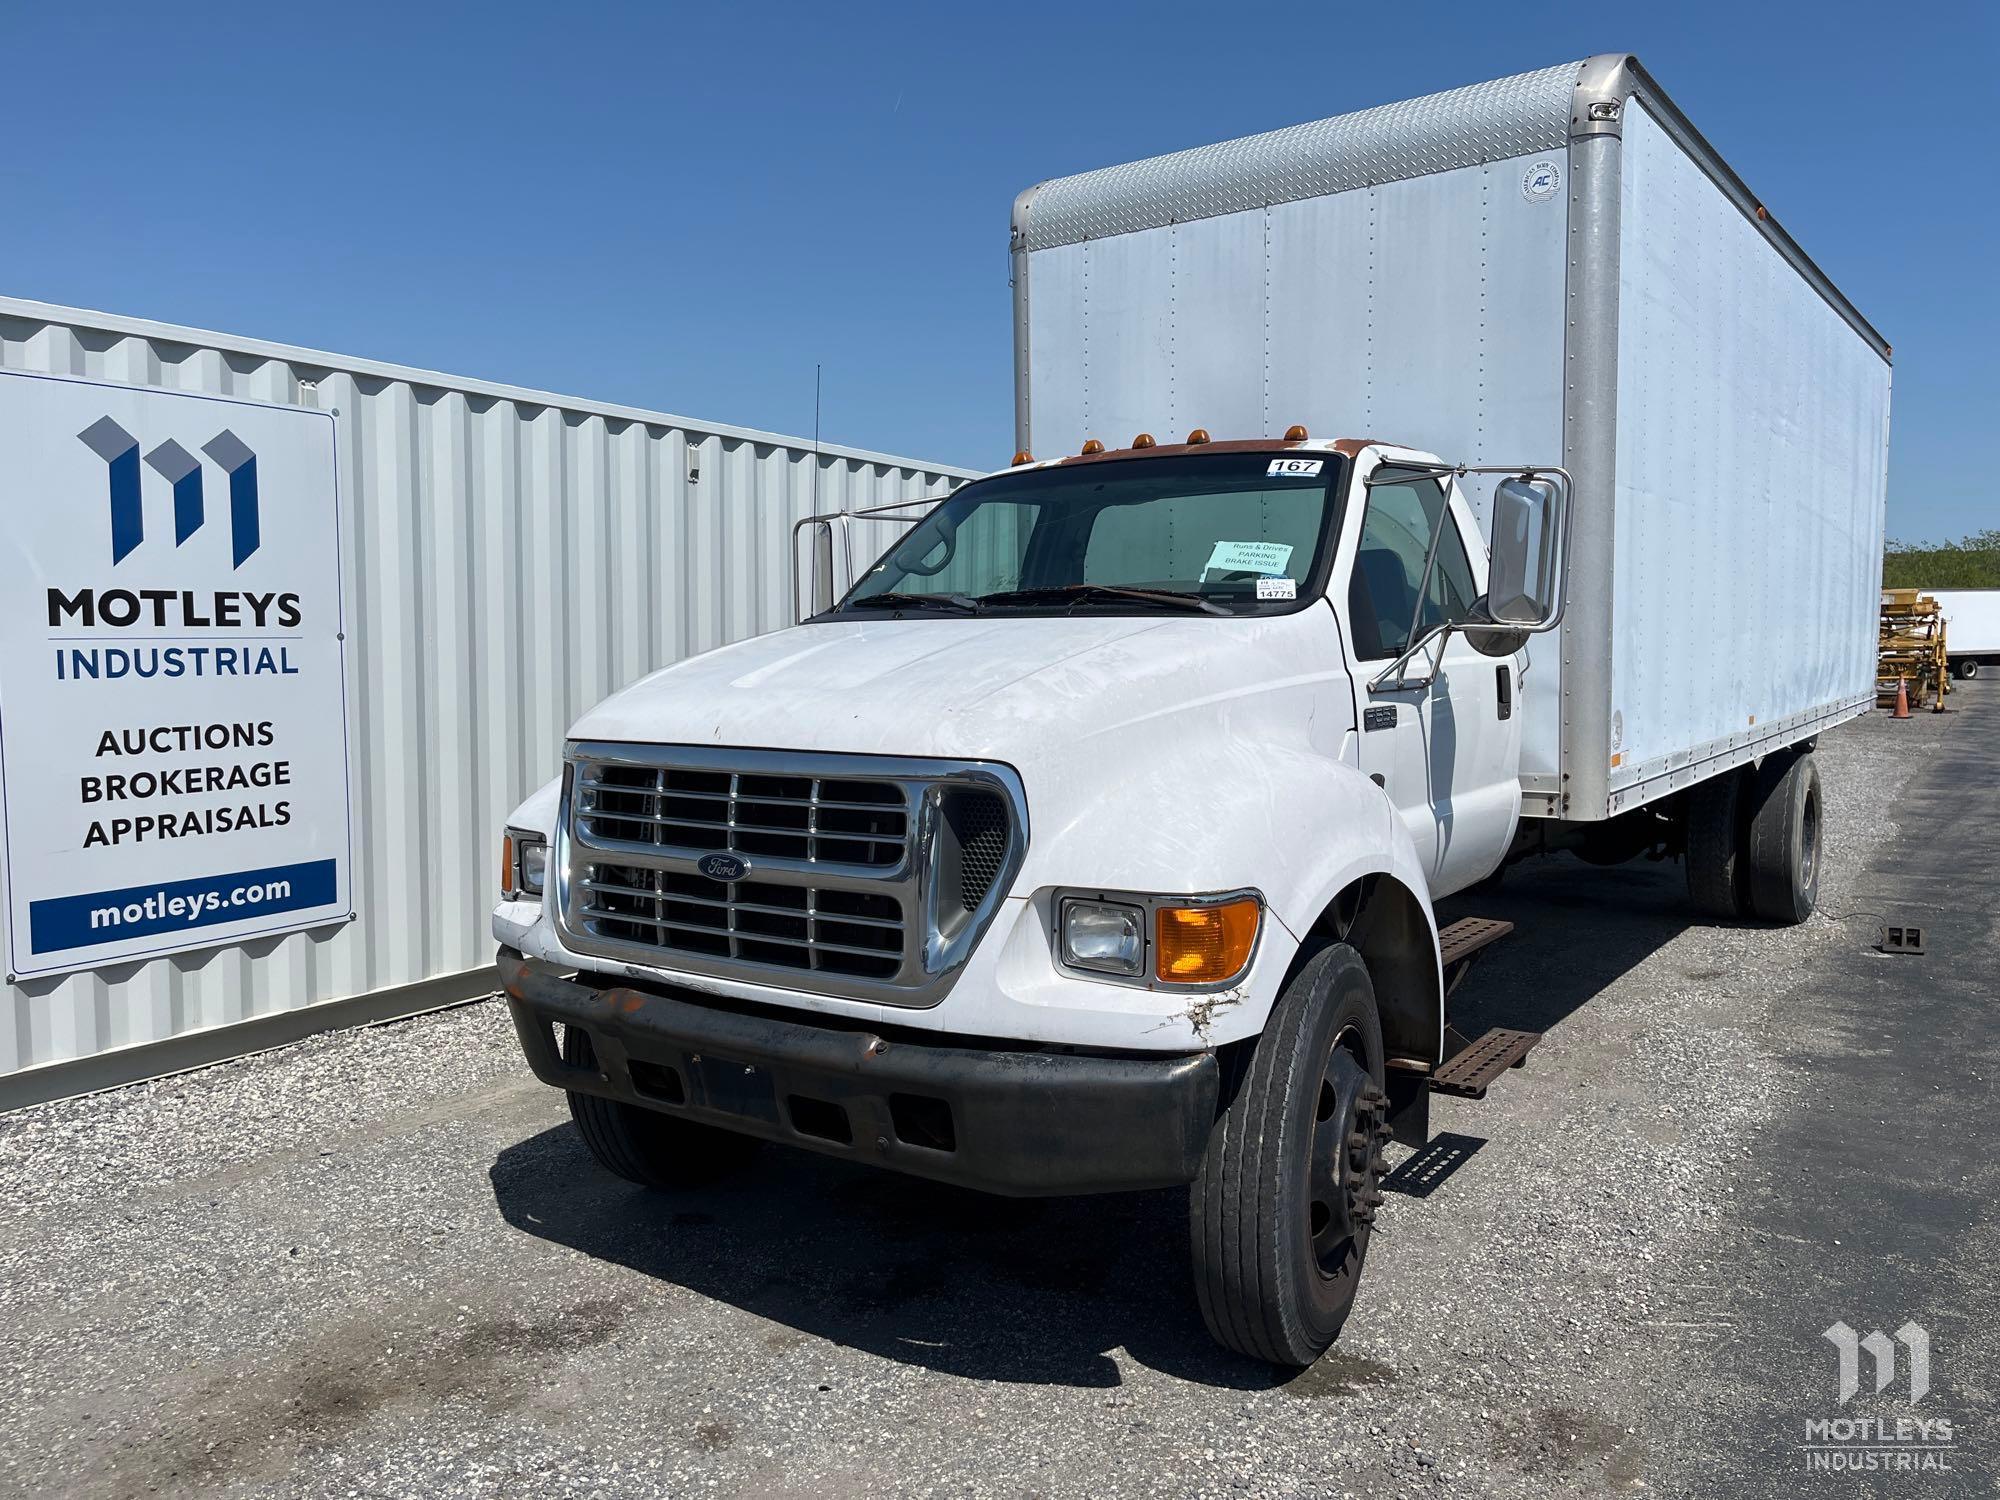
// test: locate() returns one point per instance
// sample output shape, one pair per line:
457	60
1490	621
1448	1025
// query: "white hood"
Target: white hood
1137	740
993	689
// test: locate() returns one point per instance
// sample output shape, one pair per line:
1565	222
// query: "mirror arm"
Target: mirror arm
1380	682
1430	562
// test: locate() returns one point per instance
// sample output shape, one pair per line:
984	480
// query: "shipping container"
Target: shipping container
509	558
1552	268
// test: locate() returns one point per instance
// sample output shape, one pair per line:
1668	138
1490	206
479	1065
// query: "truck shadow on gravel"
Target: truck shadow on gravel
1034	1291
1578	929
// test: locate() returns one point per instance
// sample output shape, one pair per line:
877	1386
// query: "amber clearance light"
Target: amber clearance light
1204	944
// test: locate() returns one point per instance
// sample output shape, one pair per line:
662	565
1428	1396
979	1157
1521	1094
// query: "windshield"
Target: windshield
1227	533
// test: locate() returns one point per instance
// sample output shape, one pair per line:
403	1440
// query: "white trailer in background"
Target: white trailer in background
1093	839
1971	628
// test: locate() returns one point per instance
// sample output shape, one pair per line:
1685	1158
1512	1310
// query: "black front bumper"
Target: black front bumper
1017	1122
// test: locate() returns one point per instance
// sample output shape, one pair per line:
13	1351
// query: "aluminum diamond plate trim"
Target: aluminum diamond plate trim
1510	117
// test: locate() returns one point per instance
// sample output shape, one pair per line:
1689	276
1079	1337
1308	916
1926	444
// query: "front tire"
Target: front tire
1281	1209
645	1146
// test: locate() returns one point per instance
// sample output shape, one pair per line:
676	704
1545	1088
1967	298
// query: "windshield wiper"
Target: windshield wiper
1077	593
957	604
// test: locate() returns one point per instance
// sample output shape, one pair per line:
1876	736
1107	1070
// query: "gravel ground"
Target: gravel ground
381	1263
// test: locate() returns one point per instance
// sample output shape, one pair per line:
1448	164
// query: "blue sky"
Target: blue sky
685	207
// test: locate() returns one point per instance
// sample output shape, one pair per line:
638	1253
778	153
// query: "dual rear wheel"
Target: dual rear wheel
1753	841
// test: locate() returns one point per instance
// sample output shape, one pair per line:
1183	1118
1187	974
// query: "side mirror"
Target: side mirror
1491	640
822	562
1522	585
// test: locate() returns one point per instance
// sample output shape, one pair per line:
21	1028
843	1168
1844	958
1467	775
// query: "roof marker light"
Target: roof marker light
1296	433
1197	437
1143	440
1023	457
1092	446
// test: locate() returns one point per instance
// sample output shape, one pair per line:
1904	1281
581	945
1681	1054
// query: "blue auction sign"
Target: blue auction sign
173	707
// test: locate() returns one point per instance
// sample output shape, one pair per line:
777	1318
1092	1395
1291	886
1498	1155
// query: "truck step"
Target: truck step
1467	1073
1468	935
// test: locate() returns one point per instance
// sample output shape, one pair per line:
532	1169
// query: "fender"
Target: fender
537	812
1295	822
1359	837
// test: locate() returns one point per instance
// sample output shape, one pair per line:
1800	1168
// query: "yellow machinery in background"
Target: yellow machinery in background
1912	650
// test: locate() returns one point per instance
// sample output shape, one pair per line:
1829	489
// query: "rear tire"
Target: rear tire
1715	846
644	1146
1967	670
1783	840
1281	1209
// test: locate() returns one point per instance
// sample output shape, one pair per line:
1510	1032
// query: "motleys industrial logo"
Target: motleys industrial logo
120	452
1877	1443
160	608
172	681
123	608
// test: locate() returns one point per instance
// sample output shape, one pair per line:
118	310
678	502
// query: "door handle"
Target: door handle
1505	677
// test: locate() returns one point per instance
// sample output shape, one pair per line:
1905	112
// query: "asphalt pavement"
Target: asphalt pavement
381	1262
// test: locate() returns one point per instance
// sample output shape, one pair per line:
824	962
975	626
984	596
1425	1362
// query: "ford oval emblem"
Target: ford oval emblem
723	866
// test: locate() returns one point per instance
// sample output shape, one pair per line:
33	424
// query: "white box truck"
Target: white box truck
1971	628
1092	839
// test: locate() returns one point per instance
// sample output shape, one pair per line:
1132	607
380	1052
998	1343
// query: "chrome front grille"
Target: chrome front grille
793	926
856	875
822	820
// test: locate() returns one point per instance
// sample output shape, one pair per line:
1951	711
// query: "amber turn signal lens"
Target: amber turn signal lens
1197	437
1092	446
507	865
1023	457
1204	944
1296	433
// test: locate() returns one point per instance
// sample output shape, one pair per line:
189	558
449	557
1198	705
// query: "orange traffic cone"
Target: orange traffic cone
1902	699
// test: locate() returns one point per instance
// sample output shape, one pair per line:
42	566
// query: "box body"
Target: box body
1551	267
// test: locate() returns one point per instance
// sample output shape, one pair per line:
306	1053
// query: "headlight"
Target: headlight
524	864
1103	936
1192	941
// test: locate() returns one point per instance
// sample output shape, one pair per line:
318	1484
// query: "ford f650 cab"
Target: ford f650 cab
1092	839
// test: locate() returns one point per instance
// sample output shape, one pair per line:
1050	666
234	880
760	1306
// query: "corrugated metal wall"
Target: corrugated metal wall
511	557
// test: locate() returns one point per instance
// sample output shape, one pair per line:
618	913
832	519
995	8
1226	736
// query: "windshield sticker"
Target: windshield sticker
1258	559
1277	588
1294	468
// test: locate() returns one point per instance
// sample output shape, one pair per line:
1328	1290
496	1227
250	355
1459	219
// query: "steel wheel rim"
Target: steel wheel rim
1343	1179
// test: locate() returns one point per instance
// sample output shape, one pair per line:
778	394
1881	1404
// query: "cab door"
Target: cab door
1445	746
